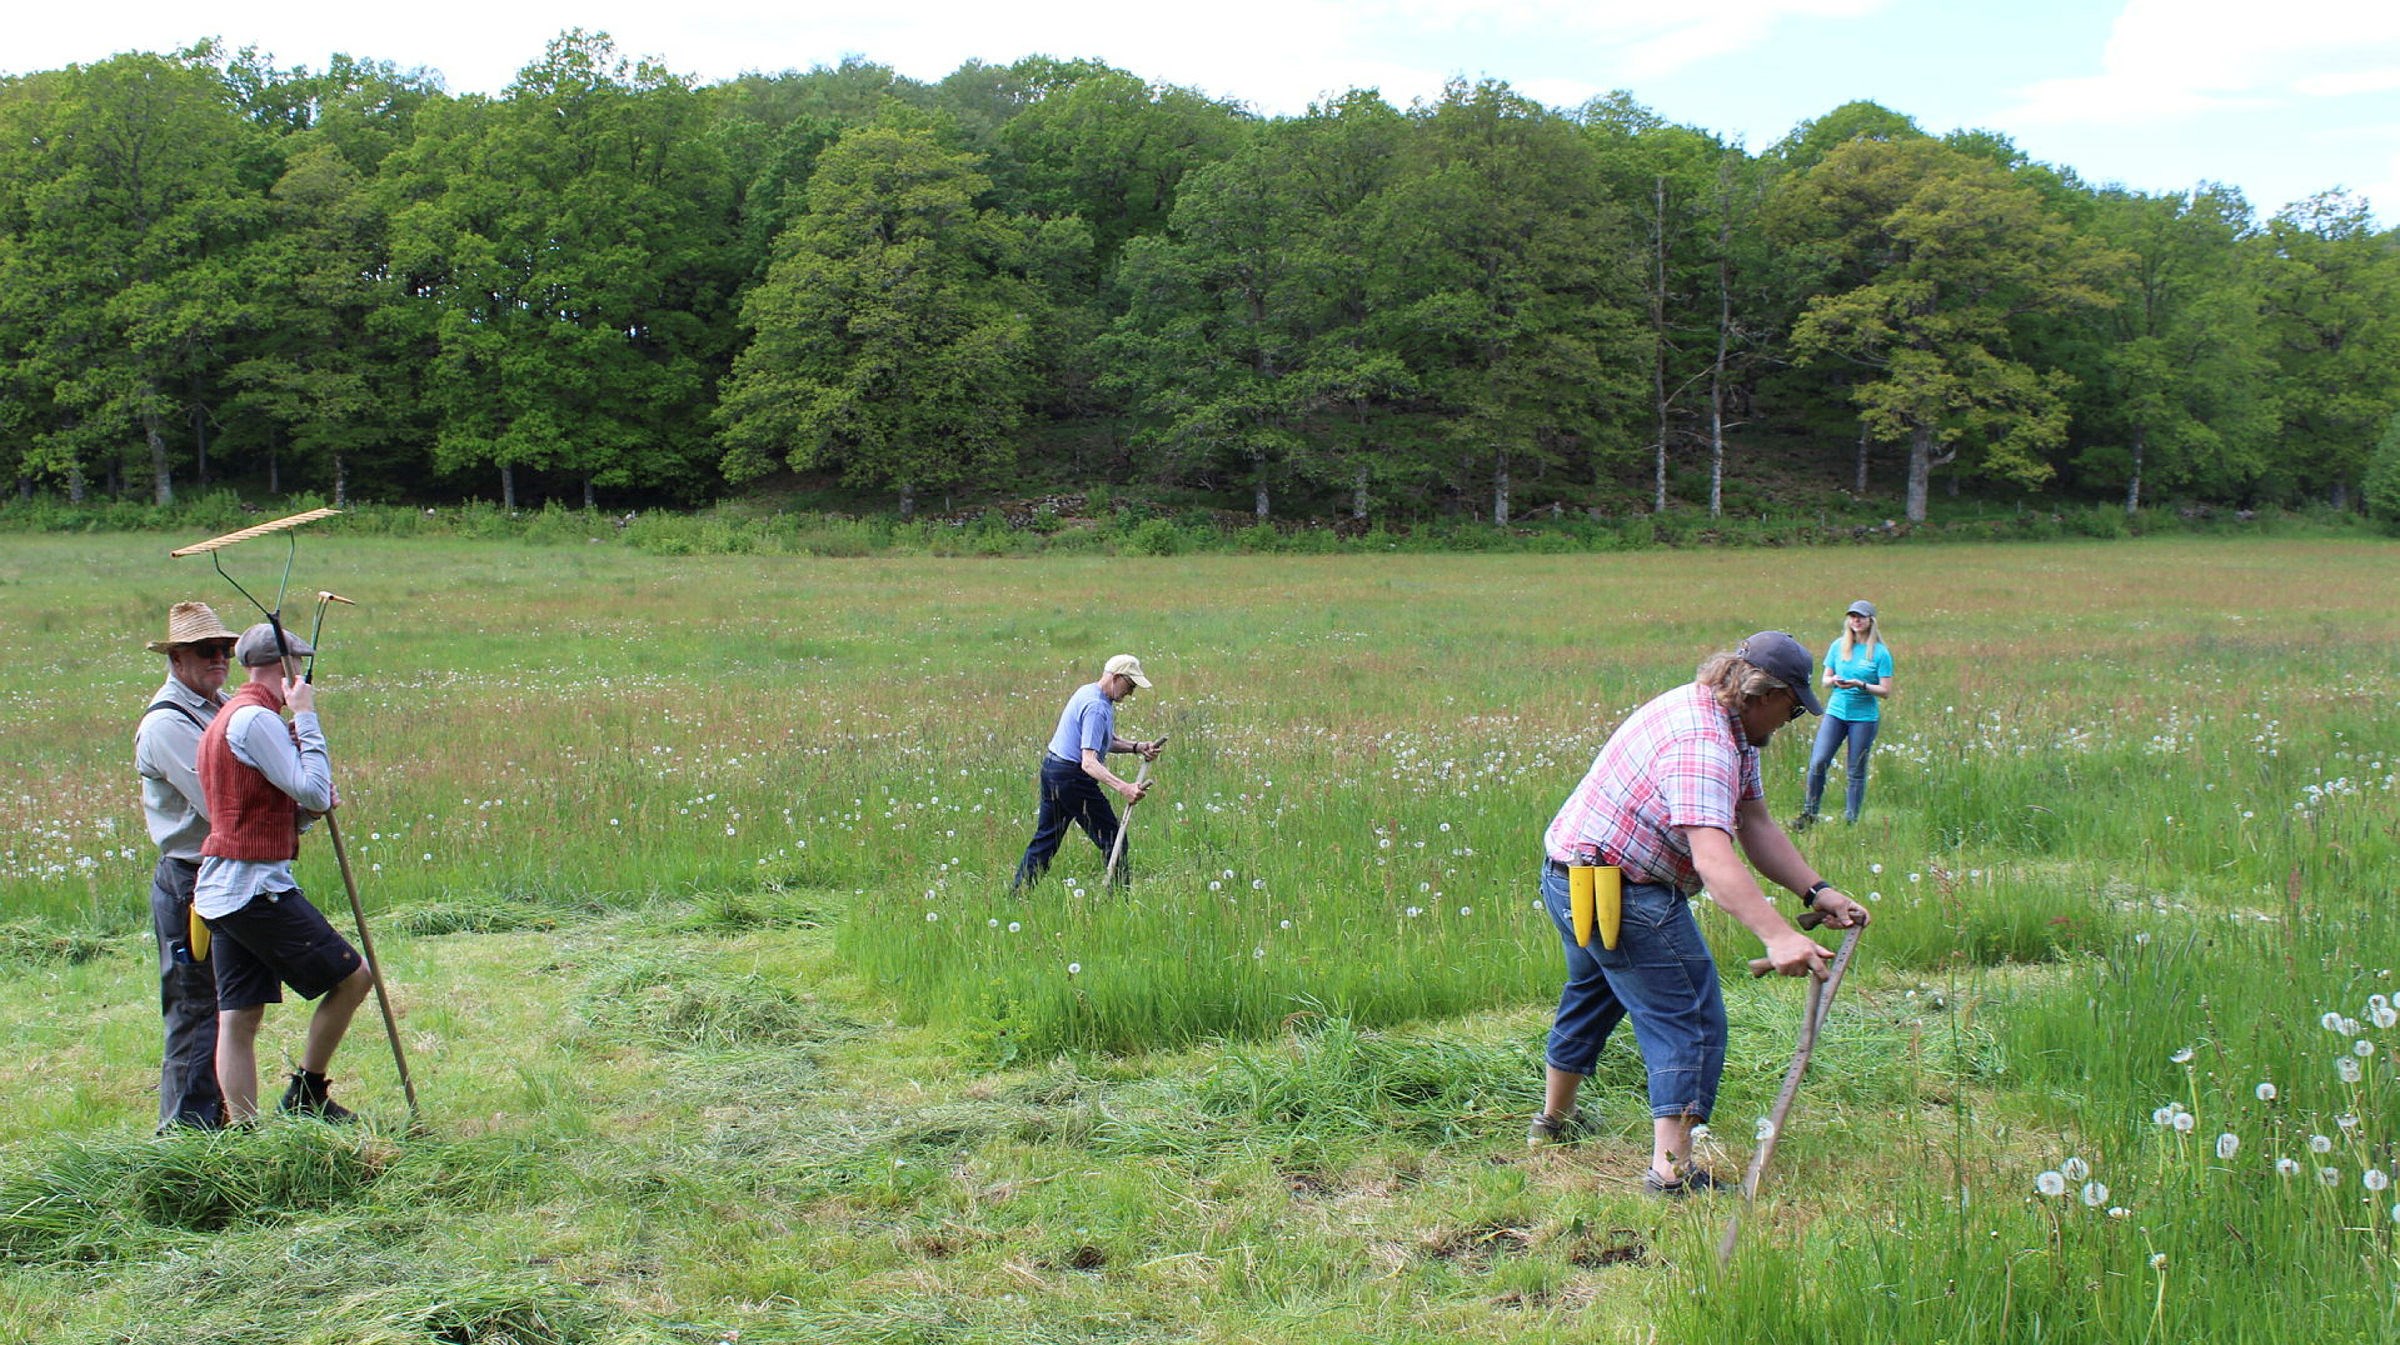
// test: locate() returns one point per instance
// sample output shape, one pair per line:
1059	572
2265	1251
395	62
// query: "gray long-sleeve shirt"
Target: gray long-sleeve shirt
166	753
258	739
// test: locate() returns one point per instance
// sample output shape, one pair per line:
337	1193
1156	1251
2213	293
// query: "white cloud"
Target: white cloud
2167	60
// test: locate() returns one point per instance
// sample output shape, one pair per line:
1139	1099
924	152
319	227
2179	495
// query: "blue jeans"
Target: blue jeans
1661	974
1068	797
1860	734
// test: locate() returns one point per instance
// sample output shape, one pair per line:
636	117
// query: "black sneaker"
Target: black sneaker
1545	1129
1802	822
306	1096
1693	1180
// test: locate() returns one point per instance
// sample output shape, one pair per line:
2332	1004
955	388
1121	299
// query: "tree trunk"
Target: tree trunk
1920	470
588	505
908	501
1658	333
274	471
162	478
1716	380
341	483
1258	501
1500	490
24	488
2133	487
1859	487
199	438
1358	496
75	484
508	486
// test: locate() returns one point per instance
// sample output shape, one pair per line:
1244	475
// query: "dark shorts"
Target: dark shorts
279	939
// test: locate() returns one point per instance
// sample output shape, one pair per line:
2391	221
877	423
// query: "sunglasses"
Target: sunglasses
1797	708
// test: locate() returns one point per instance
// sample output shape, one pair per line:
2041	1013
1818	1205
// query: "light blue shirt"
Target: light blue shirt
259	739
1867	663
1090	720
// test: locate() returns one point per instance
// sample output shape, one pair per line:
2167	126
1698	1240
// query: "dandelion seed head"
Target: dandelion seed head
2228	1144
1766	1131
2162	1116
1466	910
2330	1176
2287	1167
2158	1260
1284	925
1015	926
2266	1092
993	923
2362	1048
1074	969
2184	1122
2182	1057
2118	1211
2075	1169
2095	1194
1258	884
2375	1179
2051	1184
2320	1144
2347	1069
932	917
2331	1022
1874	868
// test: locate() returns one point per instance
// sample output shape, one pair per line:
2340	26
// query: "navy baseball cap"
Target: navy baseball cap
1783	658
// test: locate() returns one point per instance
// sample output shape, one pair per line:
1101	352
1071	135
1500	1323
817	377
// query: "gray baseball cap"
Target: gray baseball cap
1861	608
256	648
1783	658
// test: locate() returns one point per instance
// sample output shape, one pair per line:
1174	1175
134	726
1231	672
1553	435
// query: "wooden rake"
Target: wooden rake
1820	998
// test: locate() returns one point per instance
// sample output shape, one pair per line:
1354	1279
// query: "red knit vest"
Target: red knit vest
248	817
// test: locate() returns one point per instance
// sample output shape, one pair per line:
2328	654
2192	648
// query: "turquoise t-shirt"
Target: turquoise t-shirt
1867	663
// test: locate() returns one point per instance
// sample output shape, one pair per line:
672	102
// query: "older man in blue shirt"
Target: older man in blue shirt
1075	770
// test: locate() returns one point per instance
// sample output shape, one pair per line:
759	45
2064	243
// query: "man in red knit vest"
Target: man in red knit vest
259	775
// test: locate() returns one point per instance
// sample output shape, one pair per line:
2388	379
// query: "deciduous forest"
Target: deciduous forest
611	284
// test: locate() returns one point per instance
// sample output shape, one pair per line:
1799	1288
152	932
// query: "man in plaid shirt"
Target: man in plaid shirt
1669	799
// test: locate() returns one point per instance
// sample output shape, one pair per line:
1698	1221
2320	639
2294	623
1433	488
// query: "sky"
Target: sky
2281	101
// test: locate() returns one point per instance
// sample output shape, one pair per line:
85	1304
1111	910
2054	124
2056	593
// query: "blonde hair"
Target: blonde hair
1736	681
1874	635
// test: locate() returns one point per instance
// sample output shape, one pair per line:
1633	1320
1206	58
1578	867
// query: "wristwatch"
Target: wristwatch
1809	898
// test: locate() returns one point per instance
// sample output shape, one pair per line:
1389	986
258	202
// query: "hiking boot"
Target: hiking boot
1690	1181
1545	1130
306	1097
1802	822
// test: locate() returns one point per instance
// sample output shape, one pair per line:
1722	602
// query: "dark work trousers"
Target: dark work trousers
1068	796
187	999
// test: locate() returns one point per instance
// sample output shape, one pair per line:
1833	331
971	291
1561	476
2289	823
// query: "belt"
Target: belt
1631	879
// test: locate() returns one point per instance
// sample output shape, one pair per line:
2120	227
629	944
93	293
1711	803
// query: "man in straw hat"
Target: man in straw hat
262	776
1075	770
166	747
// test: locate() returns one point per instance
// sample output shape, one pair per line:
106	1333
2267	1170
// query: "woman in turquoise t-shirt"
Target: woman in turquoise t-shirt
1858	667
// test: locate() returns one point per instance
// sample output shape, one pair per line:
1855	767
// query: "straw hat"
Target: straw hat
190	623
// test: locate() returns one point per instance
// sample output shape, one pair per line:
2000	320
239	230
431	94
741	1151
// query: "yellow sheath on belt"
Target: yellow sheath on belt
1579	901
199	934
1608	899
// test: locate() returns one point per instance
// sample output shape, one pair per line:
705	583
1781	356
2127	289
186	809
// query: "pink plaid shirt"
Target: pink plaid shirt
1680	761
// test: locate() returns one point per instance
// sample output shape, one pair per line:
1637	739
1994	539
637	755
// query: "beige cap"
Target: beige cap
190	623
1126	665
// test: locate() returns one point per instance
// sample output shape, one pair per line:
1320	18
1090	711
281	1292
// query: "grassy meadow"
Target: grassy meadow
689	874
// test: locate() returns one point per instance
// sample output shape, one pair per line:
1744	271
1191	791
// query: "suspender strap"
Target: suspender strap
170	705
